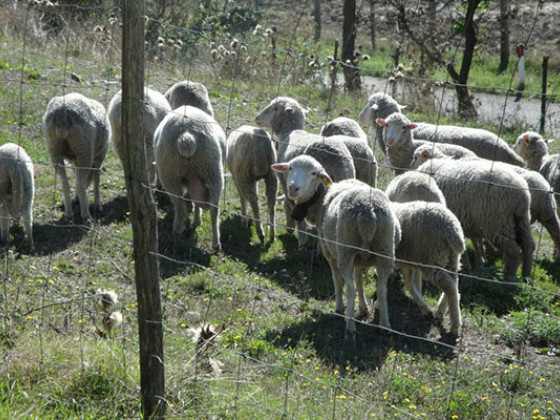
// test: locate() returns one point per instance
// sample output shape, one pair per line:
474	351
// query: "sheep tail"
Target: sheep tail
366	224
17	189
456	243
186	145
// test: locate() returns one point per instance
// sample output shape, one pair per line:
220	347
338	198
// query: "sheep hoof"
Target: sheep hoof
217	247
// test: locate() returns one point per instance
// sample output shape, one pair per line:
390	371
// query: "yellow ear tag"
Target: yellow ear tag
327	183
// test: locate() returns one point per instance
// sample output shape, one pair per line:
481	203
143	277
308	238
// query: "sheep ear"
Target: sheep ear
327	181
549	140
401	107
381	122
526	138
412	126
280	167
425	153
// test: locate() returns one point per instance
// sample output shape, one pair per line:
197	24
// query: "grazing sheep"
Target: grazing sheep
428	151
484	143
379	105
356	141
190	93
534	149
17	190
250	154
543	209
154	107
77	129
343	126
431	235
357	229
286	118
489	203
189	157
413	186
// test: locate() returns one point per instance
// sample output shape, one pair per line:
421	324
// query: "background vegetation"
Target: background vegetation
277	348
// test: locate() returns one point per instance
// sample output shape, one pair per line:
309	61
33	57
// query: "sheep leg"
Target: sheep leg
346	272
214	217
362	305
450	298
512	256
478	245
181	222
552	227
383	272
95	175
61	170
527	244
5	223
414	285
339	305
271	183
197	215
290	222
82	174
254	203
27	219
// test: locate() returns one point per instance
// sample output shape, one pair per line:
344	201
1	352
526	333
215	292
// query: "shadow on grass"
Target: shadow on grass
552	267
180	254
325	333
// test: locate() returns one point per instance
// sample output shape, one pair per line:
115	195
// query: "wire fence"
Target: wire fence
52	293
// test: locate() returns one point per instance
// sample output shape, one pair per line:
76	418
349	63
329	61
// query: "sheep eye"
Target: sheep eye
313	173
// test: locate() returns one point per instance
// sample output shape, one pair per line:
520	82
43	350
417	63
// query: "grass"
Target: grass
279	348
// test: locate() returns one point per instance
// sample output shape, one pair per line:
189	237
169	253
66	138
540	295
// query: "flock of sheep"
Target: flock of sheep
452	183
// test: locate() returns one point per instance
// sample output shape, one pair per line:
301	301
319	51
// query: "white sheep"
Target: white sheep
343	126
190	93
484	143
543	209
431	236
286	117
356	227
533	148
379	105
250	154
188	157
17	190
76	129
413	186
428	151
490	203
154	108
362	155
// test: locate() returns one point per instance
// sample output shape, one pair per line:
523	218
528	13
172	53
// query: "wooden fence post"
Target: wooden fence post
543	93
143	215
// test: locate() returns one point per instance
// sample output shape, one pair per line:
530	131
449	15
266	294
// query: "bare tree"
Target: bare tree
373	25
434	49
351	72
317	19
504	35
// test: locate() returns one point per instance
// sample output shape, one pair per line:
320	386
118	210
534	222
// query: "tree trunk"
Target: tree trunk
351	73
466	108
373	25
142	215
504	36
317	19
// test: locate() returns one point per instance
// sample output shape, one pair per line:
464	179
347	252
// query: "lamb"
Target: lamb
489	203
286	118
364	160
412	186
250	154
533	149
154	107
431	226
76	128
189	156
17	190
190	93
484	143
543	205
357	229
440	151
379	105
343	126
